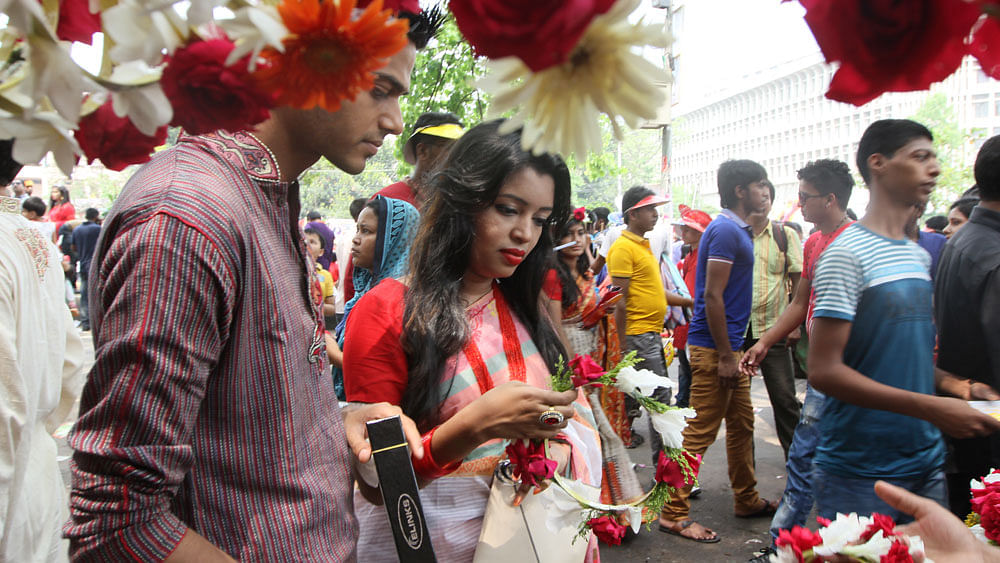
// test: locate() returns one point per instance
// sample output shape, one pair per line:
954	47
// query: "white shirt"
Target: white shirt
40	359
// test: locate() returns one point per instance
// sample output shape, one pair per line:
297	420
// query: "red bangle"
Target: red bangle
426	467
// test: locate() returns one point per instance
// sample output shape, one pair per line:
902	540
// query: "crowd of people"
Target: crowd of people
224	415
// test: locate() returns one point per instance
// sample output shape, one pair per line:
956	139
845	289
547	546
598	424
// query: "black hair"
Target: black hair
91	214
632	196
987	170
312	231
62	191
435	326
885	137
964	206
796	226
829	177
356	206
313	215
430	119
34	204
602	213
8	166
936	223
737	174
770	189
851	214
423	26
567	278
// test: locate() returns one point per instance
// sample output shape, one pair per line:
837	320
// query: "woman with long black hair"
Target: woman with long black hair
463	346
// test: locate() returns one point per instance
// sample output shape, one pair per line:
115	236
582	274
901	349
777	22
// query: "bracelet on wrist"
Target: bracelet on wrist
426	467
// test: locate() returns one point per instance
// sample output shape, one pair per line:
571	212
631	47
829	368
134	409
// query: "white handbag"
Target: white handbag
519	534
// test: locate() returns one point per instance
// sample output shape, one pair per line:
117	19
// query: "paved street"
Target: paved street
740	538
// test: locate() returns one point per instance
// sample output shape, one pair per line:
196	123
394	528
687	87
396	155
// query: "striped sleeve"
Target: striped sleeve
168	300
837	284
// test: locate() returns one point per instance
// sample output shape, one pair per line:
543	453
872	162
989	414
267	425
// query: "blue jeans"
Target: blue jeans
683	378
845	494
797	501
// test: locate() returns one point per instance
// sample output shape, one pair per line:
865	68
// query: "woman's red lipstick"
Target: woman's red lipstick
513	256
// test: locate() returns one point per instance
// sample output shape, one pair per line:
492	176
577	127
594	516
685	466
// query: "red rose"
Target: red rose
76	23
879	522
411	6
799	540
541	34
114	140
607	529
898	553
207	95
585	370
528	462
887	45
985	46
580	213
988	508
670	471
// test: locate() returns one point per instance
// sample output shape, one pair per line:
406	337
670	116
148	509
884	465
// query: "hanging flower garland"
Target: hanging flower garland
676	468
164	66
889	46
558	81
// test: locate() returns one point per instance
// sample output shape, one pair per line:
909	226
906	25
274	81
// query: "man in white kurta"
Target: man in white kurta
40	359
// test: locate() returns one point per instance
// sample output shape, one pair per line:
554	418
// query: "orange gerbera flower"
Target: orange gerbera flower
328	56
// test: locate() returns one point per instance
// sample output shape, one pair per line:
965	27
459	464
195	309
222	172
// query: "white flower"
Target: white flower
846	528
200	12
559	106
36	135
670	425
20	13
147	106
979	532
991	478
644	381
54	75
871	550
785	554
917	549
251	30
561	509
634	517
140	33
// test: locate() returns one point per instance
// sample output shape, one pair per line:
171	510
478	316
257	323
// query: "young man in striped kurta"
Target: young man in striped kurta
209	428
776	273
872	342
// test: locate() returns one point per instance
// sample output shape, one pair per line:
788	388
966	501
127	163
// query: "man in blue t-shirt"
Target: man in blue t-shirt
872	344
722	304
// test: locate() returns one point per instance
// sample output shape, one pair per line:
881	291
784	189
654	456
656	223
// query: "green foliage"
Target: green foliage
442	81
326	189
954	147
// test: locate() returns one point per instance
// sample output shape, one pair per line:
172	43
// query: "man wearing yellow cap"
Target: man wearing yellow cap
433	134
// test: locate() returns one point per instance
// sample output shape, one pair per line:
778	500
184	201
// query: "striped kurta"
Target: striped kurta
210	405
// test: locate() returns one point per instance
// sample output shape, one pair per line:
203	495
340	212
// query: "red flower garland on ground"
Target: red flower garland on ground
329	57
542	34
208	95
115	140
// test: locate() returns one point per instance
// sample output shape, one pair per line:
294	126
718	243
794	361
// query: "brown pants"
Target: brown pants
713	404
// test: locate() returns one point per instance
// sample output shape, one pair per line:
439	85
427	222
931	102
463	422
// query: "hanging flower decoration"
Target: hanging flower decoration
329	56
889	46
559	107
114	140
183	67
208	94
541	34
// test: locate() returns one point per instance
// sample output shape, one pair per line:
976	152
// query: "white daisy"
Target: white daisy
39	134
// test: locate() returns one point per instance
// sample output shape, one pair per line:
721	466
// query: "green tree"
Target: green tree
954	147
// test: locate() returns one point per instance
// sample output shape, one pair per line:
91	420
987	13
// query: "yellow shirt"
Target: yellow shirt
770	281
325	281
646	307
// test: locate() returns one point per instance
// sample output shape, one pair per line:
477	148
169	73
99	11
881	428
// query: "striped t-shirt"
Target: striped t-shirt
883	287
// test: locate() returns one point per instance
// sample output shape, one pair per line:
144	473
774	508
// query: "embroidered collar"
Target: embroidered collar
10	205
243	150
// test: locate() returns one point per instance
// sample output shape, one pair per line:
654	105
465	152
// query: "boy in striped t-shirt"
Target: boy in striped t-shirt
872	341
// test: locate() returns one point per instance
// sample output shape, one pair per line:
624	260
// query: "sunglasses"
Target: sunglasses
803	197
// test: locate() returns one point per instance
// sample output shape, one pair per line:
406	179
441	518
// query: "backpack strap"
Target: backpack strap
781	239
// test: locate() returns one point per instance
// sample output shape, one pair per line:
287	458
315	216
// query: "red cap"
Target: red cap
649	200
694	218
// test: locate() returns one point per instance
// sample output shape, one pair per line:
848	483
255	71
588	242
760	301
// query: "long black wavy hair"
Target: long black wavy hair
435	327
567	278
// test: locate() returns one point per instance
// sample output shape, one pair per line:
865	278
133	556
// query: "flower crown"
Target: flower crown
224	64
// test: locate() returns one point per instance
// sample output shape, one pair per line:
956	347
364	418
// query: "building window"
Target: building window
981	109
